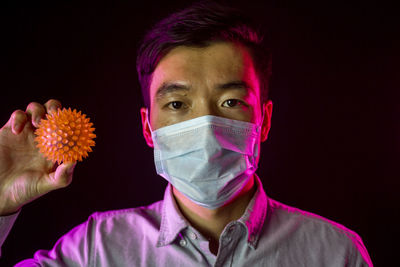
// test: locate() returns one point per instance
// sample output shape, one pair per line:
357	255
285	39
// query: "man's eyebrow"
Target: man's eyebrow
170	87
234	85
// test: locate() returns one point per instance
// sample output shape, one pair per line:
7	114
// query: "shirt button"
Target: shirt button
182	242
192	235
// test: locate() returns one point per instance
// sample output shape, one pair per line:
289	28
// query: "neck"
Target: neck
211	223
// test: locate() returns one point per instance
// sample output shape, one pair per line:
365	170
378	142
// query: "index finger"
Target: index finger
52	105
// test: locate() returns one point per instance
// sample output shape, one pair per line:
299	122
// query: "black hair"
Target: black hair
198	25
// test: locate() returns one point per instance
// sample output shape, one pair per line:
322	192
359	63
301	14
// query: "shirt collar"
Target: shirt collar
254	216
173	222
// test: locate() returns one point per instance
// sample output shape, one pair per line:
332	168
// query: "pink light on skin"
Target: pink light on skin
193	77
262	112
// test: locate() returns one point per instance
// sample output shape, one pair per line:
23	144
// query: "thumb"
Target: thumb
63	174
62	177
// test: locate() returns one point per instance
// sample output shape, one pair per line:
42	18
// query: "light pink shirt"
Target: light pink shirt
268	234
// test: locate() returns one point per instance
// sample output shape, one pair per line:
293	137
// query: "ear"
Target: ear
266	125
146	126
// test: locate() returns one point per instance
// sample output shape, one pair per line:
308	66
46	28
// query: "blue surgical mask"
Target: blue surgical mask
209	159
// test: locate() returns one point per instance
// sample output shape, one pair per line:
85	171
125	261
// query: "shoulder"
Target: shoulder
314	232
128	219
305	219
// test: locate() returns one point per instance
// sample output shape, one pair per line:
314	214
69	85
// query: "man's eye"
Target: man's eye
230	103
175	104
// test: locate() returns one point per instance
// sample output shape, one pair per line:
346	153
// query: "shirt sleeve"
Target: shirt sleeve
6	223
73	249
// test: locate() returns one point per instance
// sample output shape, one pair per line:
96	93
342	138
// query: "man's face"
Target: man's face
218	80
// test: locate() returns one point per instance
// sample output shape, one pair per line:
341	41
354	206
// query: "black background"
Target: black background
333	147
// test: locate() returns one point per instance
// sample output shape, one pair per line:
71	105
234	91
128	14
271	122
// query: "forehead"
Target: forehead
217	63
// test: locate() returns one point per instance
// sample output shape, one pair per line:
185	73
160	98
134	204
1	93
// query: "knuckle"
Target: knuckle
64	180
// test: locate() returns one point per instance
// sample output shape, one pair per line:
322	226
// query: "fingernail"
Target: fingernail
17	127
55	108
37	121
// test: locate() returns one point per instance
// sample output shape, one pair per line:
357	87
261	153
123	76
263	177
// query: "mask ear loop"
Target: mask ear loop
262	118
259	126
148	120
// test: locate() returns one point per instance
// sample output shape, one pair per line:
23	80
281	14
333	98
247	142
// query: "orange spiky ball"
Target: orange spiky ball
65	136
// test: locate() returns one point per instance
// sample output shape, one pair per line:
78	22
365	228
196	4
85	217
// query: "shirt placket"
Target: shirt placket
227	244
191	239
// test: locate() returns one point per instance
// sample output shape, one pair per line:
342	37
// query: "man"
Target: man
204	75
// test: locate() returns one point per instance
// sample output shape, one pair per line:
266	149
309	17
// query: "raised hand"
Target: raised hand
24	173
